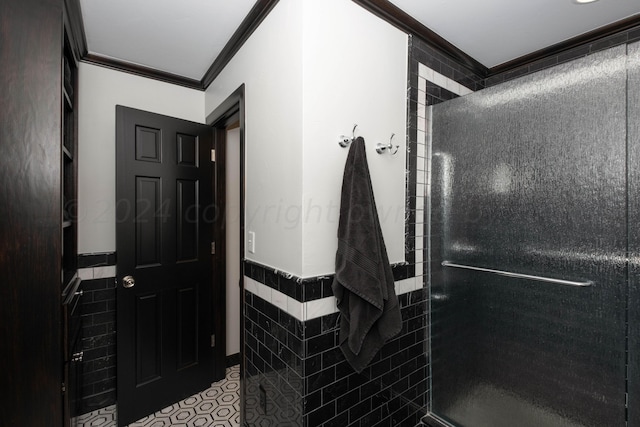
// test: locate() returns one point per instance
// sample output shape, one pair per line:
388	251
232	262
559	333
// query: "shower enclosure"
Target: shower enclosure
534	232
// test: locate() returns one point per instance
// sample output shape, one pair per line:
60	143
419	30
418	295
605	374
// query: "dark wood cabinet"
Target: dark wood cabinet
37	225
71	296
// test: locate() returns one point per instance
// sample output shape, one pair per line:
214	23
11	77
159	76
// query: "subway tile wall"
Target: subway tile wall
296	375
97	272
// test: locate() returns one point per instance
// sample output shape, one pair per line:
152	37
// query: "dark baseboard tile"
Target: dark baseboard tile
98	401
233	360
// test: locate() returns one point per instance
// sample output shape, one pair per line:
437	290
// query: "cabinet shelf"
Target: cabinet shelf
67	154
67	98
70	282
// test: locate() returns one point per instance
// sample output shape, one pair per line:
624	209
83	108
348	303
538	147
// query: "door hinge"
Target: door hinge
64	388
213	248
213	340
213	154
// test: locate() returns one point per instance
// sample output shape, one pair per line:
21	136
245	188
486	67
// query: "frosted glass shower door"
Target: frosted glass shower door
529	178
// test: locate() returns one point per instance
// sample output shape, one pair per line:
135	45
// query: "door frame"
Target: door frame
230	110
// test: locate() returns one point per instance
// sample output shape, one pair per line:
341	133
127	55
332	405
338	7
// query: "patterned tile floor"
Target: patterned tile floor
217	406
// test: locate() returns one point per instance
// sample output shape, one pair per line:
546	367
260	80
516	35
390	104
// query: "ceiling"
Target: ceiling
178	37
497	31
184	38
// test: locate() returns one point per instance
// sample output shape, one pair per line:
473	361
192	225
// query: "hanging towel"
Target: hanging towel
363	284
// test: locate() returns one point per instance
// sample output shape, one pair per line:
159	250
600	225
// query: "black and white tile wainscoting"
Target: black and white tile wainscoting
296	374
98	272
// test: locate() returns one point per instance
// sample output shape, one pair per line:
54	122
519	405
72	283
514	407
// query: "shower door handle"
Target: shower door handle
519	275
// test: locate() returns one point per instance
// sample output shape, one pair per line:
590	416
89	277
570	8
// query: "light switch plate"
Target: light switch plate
251	242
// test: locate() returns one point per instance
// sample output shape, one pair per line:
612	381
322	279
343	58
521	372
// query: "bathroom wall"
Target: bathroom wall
290	311
298	361
324	66
354	72
272	114
99	91
269	64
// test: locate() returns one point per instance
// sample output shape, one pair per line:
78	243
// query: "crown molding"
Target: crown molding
572	43
381	8
140	70
75	28
257	14
402	20
79	45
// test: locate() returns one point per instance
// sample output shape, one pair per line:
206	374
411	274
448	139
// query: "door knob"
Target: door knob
128	282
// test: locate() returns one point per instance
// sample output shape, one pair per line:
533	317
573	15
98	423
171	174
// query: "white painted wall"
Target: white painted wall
355	71
99	91
232	216
270	66
311	70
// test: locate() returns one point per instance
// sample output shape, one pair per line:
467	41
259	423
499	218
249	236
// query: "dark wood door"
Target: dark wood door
164	216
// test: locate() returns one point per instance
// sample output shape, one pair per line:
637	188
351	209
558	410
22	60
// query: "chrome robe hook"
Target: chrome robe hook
344	140
381	148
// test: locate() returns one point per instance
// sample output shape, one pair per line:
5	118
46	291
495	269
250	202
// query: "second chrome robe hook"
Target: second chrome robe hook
381	148
344	141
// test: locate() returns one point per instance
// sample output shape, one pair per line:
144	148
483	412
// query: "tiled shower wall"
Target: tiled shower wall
437	75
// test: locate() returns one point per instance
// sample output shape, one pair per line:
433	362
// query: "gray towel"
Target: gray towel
363	285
